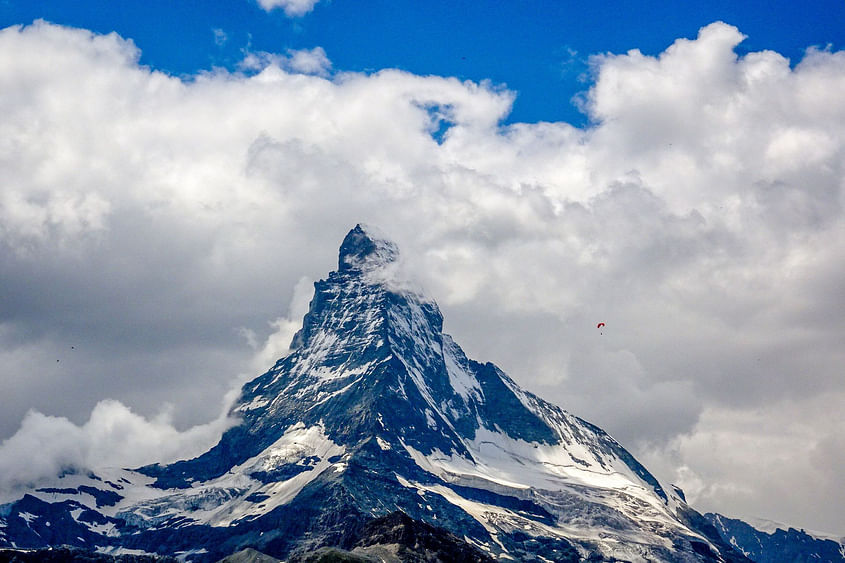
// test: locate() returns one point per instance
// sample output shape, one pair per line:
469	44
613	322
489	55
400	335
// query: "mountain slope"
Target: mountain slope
775	543
376	410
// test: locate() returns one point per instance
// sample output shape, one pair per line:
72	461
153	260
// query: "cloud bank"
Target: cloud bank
152	228
113	436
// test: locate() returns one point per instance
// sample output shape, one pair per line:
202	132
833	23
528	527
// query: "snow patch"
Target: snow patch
115	551
186	555
514	467
464	383
429	419
256	403
297	443
107	529
28	517
222	501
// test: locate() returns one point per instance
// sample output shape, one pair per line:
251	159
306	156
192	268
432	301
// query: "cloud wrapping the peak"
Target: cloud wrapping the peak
160	225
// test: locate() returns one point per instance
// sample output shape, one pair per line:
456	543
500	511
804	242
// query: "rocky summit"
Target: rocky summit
376	437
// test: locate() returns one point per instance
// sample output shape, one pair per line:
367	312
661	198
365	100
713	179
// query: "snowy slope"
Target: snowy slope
376	410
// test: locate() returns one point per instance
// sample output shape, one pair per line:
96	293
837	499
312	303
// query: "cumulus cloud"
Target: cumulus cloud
113	436
159	225
292	8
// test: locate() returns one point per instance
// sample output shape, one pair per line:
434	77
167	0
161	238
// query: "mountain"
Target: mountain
770	542
375	411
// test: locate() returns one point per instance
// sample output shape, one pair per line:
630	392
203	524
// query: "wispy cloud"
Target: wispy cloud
304	61
220	36
292	8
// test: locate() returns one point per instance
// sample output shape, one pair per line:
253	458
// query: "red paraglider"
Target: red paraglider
599	326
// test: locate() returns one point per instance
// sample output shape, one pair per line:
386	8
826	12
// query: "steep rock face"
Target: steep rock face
376	410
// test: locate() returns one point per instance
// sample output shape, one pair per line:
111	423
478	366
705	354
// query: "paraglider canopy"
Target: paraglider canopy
599	325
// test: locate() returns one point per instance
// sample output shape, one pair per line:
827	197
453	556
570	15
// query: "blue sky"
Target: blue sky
171	221
539	49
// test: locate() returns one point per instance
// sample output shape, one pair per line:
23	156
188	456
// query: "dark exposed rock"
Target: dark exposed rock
74	555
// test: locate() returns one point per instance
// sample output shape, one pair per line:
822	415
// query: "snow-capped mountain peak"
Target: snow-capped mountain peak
366	248
376	410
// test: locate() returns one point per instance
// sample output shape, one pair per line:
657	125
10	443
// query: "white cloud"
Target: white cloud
310	61
792	447
304	61
277	343
149	221
113	436
292	8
